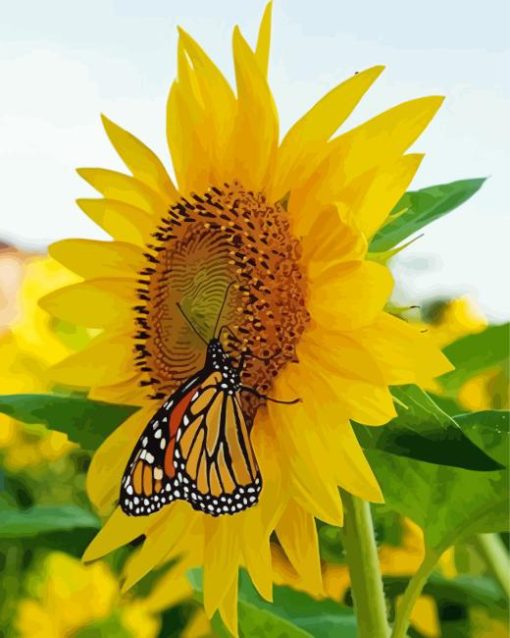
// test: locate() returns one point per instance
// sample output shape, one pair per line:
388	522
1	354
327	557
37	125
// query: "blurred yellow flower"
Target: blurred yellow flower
284	228
458	318
454	319
68	596
28	344
483	626
489	389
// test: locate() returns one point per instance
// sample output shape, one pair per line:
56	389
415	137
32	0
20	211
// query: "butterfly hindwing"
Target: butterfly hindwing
214	455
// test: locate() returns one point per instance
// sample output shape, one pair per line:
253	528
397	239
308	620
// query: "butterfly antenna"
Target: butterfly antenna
264	396
222	307
191	323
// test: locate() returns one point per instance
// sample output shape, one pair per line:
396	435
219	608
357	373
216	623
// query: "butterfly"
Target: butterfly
197	445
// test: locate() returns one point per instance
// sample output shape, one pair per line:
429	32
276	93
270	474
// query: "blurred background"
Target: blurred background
62	64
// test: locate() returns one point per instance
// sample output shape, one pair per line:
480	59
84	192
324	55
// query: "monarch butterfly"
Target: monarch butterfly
197	446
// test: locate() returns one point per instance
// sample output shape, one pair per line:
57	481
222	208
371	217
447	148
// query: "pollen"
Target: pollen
225	252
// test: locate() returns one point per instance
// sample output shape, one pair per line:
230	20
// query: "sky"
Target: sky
63	63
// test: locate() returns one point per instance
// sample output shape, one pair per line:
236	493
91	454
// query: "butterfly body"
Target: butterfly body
196	447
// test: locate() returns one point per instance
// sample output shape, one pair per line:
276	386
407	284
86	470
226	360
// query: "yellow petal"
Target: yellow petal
120	220
303	146
189	149
256	129
297	534
305	459
344	397
348	297
118	530
376	142
228	608
110	460
256	552
129	392
93	259
97	303
385	190
355	474
222	557
328	405
388	135
108	359
332	240
339	354
264	39
217	94
127	189
140	160
163	540
274	495
405	354
173	588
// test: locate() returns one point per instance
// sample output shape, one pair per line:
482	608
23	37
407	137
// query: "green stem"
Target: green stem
493	551
365	573
411	594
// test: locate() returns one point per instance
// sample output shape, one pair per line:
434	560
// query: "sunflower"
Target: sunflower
284	227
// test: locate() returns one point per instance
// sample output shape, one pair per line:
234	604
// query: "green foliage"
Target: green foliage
40	519
463	590
417	209
424	432
292	614
490	429
84	421
448	503
474	354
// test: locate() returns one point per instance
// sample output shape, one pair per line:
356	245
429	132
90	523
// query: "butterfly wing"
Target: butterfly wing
196	448
149	480
214	455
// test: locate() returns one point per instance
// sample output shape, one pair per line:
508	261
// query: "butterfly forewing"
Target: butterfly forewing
196	447
149	479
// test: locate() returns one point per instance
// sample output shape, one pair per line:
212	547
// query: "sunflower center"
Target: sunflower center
225	259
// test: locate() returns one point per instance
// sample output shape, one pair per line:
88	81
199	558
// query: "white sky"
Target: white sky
62	63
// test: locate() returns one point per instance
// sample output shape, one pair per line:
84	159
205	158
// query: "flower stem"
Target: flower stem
411	594
365	573
493	551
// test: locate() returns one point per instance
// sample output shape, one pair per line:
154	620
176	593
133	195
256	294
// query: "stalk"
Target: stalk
364	569
493	551
411	595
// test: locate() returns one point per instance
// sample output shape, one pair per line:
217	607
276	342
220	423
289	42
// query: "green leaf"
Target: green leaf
84	421
448	503
423	431
292	614
41	518
260	623
490	429
474	354
420	208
